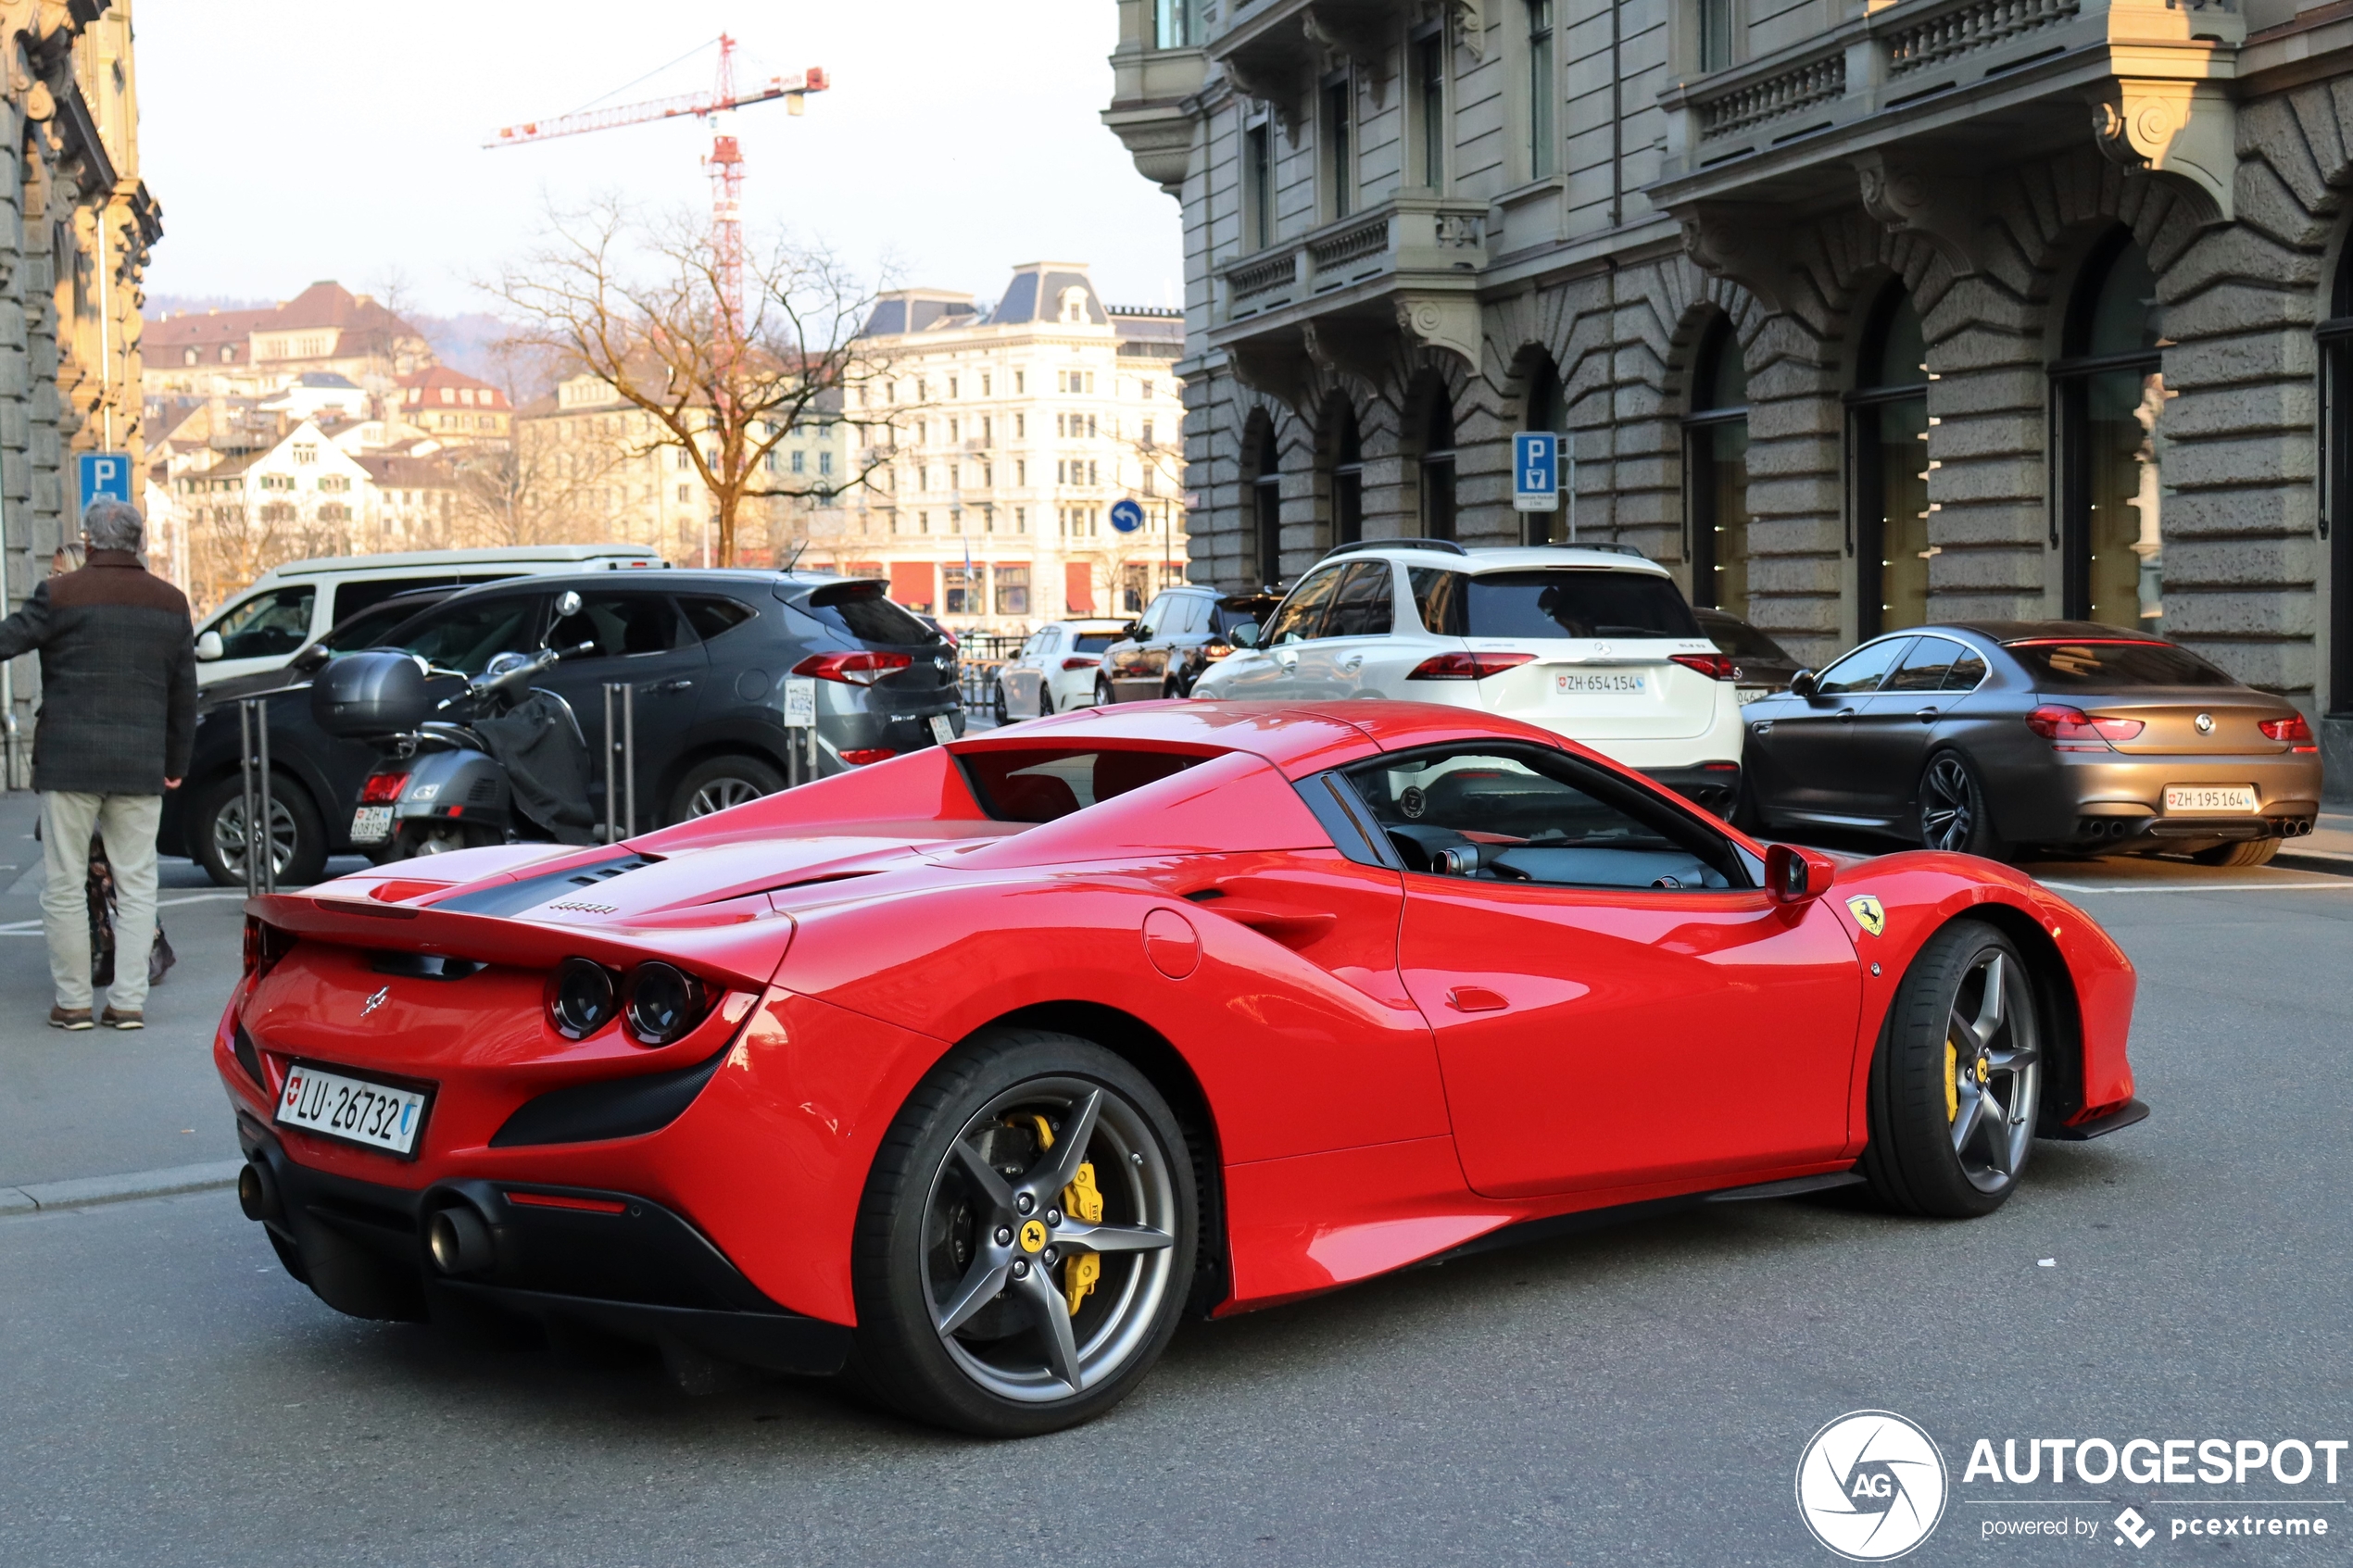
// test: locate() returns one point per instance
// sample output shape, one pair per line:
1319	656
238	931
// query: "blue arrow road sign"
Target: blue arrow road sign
1536	464
105	476
1128	515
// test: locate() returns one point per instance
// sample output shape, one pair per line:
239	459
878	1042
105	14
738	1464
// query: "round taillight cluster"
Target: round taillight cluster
656	1003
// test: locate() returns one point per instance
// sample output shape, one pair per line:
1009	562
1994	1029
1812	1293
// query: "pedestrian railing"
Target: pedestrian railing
258	803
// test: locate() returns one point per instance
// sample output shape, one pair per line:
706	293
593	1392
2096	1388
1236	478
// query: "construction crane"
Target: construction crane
725	164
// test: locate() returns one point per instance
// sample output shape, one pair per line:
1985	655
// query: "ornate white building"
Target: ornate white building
999	440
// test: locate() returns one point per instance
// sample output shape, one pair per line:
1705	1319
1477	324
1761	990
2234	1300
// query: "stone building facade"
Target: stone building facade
76	226
1856	315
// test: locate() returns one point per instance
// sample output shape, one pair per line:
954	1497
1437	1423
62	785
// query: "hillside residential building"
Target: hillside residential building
254	352
454	408
997	442
1855	315
76	226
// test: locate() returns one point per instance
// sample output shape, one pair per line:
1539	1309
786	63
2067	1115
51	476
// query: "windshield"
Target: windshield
1551	602
862	610
2104	666
1040	784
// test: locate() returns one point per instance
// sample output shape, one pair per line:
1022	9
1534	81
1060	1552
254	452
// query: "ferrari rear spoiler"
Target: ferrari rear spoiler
743	948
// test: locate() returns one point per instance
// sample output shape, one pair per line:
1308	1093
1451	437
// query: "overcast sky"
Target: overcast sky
294	141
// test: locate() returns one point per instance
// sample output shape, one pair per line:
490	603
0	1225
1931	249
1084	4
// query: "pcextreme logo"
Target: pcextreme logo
1870	1485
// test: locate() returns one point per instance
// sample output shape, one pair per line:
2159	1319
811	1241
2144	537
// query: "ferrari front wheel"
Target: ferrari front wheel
1957	1082
1026	1238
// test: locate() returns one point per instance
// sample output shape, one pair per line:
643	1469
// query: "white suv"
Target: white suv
1591	642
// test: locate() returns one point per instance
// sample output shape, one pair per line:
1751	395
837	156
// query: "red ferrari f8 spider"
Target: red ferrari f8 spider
973	1070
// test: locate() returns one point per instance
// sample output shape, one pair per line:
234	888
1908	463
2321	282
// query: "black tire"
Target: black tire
215	832
997	708
1104	696
1745	815
1954	813
932	1244
2243	852
1923	1157
717	782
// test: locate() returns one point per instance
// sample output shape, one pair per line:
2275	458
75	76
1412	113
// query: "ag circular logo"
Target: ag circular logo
1870	1485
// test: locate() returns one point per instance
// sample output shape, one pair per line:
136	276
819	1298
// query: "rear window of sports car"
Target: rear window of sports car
1040	783
2099	666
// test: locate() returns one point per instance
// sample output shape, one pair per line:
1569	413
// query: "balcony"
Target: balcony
1913	94
1411	262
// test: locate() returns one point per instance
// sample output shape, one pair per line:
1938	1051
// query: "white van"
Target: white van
289	607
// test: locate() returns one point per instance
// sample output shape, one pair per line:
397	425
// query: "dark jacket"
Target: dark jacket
118	677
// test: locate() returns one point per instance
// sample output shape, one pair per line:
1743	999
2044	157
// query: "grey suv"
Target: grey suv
707	654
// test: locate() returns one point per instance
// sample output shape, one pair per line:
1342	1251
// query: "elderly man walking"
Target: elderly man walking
118	717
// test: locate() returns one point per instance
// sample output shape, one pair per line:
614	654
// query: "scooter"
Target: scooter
515	770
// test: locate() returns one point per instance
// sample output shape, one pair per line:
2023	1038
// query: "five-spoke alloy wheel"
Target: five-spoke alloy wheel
1957	1082
1953	816
1027	1240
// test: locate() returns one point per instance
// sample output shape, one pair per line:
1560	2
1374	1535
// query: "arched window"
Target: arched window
1262	493
2108	394
1716	471
1344	448
1438	467
1548	410
1887	446
2337	484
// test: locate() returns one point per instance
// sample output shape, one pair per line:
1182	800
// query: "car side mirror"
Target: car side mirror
1797	876
1244	636
1132	630
1802	685
209	647
309	659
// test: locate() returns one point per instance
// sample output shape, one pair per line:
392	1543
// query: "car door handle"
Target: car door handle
1287	660
678	686
1845	713
1475	999
1349	665
1292	928
1925	714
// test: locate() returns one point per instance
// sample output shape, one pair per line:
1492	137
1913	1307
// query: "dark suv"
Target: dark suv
1181	633
707	653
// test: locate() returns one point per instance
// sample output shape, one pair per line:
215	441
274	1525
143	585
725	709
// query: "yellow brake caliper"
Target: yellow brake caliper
1952	1085
1081	1200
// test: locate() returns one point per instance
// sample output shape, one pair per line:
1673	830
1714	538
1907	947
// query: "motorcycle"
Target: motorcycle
515	768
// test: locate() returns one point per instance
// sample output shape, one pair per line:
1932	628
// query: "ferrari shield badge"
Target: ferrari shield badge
1867	914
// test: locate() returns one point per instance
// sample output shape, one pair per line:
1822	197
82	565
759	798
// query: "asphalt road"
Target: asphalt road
1637	1395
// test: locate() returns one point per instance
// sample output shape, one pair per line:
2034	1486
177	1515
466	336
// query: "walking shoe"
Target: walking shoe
114	1020
68	1018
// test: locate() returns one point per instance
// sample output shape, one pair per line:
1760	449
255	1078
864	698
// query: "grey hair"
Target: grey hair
114	525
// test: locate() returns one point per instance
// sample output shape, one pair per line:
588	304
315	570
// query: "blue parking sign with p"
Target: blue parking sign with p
106	476
1536	463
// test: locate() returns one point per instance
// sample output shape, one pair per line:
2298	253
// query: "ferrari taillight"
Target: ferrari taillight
383	789
1715	666
265	945
861	668
1467	666
2072	729
2291	728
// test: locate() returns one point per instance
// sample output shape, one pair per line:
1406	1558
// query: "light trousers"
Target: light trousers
127	824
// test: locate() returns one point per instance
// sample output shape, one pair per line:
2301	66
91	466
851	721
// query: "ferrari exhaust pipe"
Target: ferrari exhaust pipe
257	1193
459	1242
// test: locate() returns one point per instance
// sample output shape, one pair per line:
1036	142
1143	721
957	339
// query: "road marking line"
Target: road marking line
2346	885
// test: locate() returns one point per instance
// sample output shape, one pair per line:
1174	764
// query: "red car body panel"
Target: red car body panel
1391	1065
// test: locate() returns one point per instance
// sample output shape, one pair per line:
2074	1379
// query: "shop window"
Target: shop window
1715	473
2108	395
1887	453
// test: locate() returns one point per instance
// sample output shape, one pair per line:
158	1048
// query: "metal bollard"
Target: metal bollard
621	761
261	848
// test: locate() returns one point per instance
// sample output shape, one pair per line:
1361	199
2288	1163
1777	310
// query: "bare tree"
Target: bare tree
641	307
533	491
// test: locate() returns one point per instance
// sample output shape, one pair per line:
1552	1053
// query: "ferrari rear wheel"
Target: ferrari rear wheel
1027	1238
1957	1082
